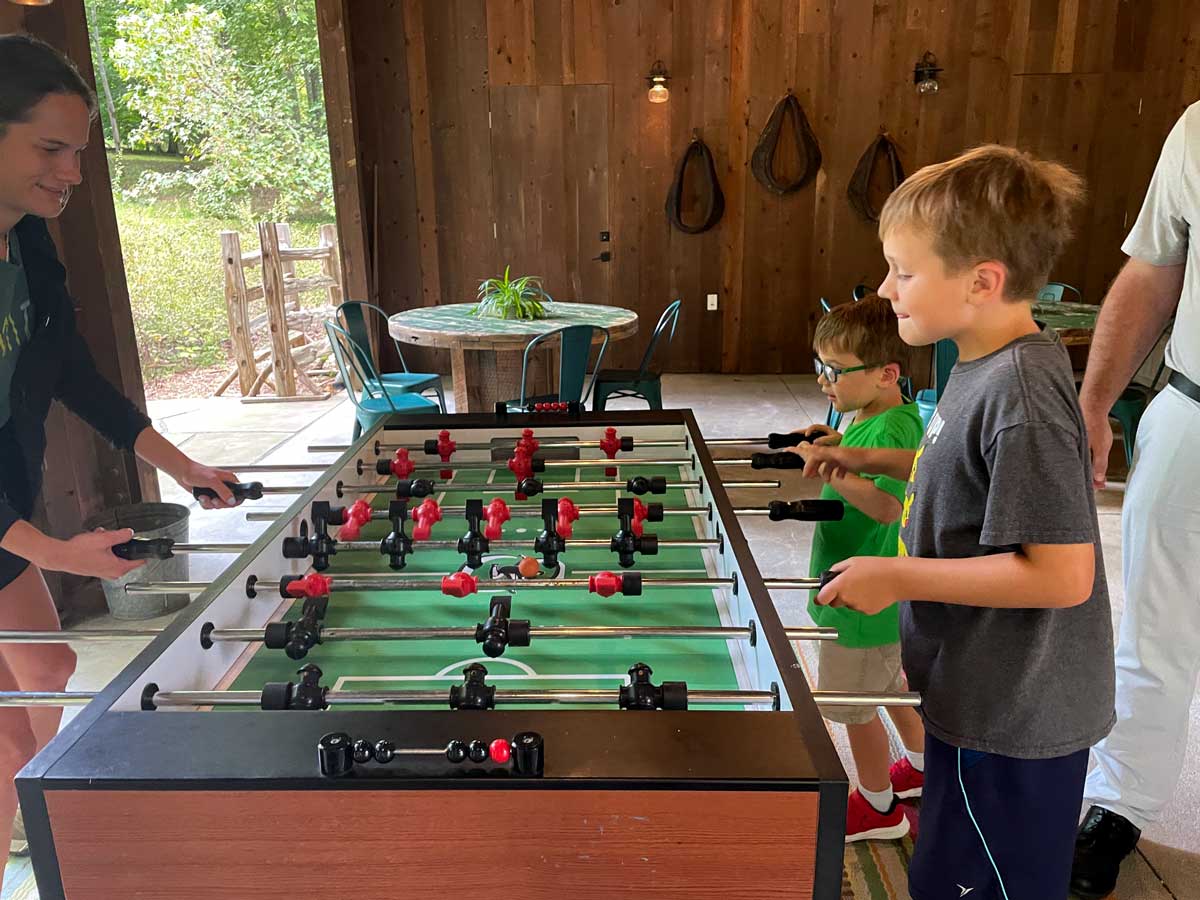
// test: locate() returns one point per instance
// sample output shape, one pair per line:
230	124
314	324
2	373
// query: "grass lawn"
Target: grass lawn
173	264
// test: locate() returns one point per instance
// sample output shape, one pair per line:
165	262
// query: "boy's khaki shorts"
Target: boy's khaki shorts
862	670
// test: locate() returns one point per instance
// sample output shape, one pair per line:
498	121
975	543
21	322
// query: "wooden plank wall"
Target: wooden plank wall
1094	83
84	475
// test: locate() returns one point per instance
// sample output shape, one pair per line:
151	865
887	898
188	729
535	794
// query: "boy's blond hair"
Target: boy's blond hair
991	203
867	329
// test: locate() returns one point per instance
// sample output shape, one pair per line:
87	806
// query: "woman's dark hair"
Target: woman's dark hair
30	70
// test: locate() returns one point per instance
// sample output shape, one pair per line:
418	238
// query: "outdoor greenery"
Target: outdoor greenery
515	298
214	119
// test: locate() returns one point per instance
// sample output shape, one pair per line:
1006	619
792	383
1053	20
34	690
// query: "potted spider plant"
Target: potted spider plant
512	298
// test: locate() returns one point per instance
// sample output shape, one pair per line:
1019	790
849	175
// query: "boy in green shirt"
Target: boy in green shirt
859	354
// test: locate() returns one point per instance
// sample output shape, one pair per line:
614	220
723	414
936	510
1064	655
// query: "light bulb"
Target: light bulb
658	94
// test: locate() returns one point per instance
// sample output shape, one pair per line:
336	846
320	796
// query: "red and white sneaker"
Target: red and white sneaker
907	782
865	823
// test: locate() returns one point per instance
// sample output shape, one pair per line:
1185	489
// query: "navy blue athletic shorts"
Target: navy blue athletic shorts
994	827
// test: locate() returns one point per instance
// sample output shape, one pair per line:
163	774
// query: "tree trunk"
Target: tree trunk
102	71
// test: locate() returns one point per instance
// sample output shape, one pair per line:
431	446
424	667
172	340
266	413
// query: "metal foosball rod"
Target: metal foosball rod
469	584
81	636
460	584
254	698
477	464
165	548
86	636
443	446
528	486
532	486
777	510
496	635
46	698
594	696
529	633
524	465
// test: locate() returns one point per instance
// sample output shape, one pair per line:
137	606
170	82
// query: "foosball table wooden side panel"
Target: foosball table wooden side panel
536	844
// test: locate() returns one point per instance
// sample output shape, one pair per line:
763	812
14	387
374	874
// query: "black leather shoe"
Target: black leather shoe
1104	839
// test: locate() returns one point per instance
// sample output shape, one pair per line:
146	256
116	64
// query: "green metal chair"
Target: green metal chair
354	313
1053	293
643	384
378	399
572	364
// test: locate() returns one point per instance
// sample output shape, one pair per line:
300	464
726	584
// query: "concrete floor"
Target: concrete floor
229	432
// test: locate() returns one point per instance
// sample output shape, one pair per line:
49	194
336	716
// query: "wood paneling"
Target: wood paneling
1093	83
537	844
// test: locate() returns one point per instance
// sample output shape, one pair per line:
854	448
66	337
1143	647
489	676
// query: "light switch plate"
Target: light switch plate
712	302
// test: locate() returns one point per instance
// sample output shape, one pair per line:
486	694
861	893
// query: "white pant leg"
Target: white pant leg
1158	650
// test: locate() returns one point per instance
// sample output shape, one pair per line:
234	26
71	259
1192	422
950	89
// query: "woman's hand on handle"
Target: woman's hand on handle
196	475
162	454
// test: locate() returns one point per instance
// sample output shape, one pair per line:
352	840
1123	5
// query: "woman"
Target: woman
46	115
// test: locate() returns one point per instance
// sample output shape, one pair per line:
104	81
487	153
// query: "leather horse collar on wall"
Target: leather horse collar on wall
859	189
763	159
715	202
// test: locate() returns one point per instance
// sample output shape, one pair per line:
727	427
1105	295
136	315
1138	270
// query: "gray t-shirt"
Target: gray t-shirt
1004	462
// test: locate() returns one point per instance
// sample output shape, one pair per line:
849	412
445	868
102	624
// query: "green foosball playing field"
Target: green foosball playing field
548	663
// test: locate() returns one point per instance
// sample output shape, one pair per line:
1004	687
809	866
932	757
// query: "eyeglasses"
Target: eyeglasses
832	373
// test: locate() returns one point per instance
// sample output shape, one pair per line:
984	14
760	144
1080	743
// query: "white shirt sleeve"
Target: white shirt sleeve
1160	234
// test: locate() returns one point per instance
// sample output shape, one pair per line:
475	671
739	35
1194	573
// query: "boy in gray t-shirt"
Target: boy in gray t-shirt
1006	630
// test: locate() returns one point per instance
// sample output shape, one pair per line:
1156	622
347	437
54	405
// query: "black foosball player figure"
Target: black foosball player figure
473	544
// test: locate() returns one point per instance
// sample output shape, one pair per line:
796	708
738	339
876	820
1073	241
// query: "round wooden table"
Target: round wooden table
485	353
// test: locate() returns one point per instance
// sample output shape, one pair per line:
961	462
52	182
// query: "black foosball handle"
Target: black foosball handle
806	510
778	441
246	490
144	548
781	460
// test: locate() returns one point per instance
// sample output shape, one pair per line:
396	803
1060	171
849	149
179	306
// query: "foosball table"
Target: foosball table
525	652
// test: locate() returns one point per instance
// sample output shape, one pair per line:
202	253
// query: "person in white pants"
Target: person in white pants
1158	650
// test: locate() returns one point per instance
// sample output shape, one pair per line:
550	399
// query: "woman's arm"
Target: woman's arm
89	553
165	456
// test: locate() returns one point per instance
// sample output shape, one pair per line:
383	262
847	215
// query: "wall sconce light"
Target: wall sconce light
31	2
657	80
925	74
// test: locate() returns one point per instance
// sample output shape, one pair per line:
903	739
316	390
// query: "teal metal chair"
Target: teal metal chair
1054	291
642	383
354	314
1128	409
573	358
378	399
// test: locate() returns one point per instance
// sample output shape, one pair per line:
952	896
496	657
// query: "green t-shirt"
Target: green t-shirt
859	535
16	311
